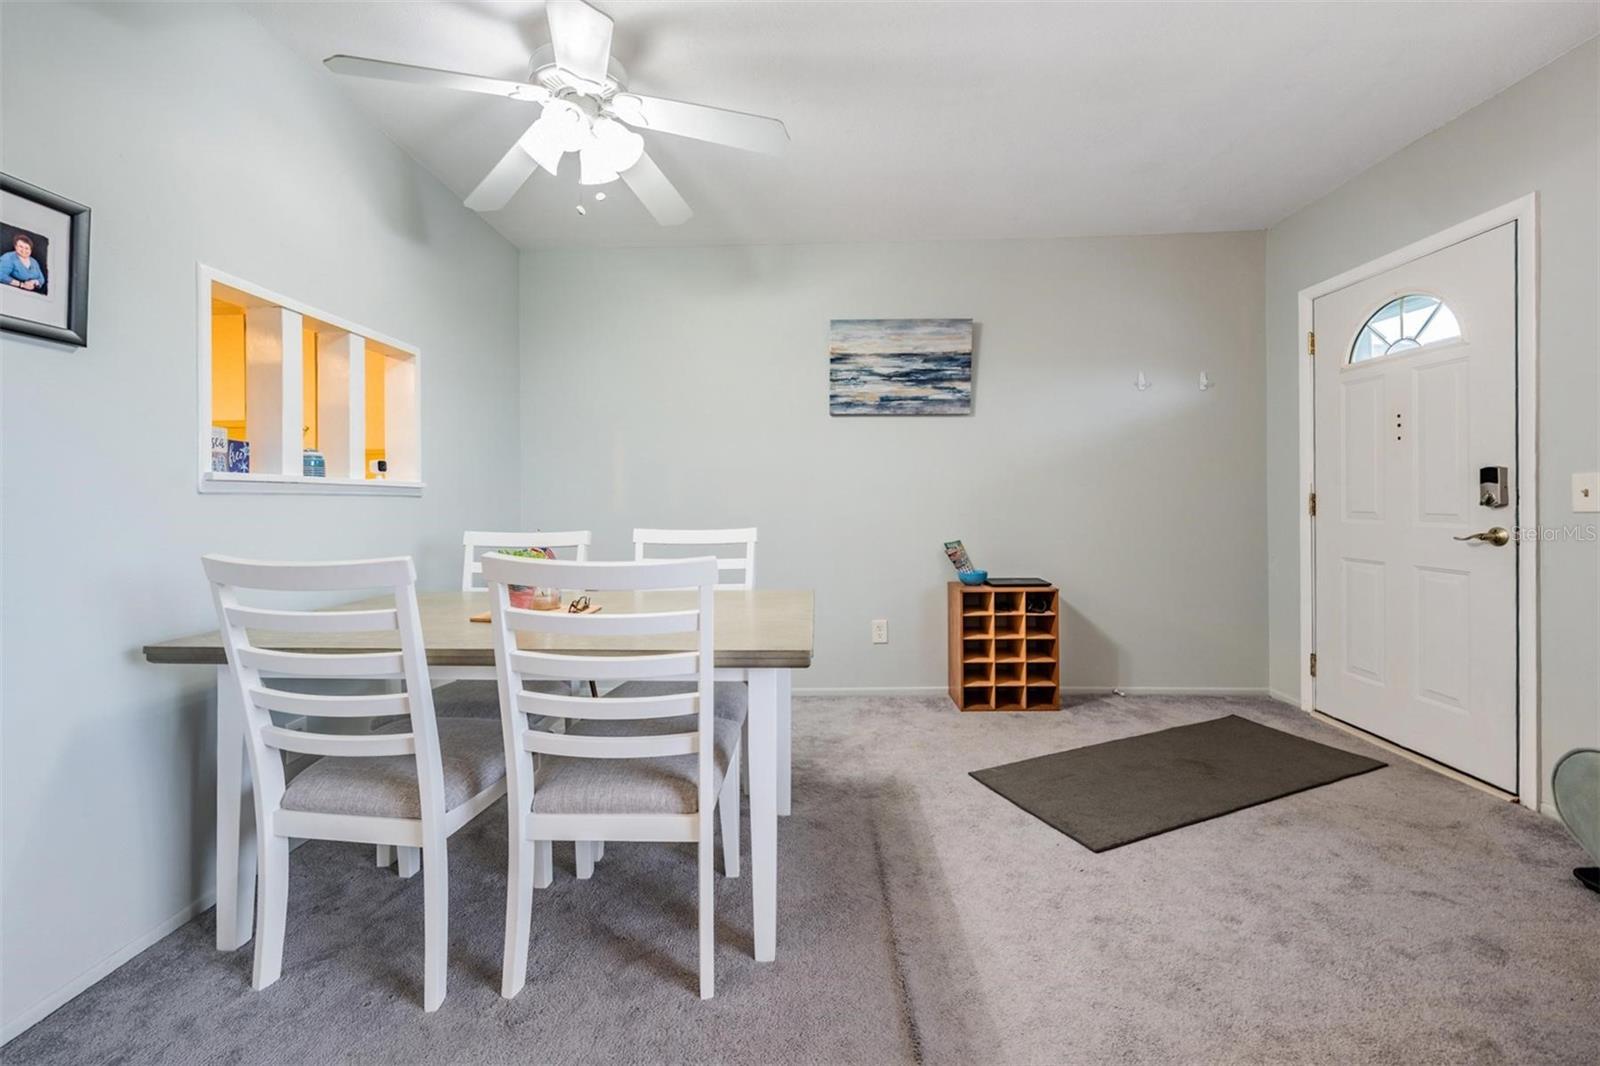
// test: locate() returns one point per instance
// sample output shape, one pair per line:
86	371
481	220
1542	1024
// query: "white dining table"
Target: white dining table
762	635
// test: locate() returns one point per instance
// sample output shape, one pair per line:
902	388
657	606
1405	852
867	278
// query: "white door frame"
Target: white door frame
1525	212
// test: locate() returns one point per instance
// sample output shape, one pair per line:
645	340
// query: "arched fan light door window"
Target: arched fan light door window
1405	324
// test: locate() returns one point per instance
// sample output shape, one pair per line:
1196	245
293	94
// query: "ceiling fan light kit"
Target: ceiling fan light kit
585	109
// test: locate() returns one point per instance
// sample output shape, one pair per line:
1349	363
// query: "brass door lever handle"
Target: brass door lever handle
1499	536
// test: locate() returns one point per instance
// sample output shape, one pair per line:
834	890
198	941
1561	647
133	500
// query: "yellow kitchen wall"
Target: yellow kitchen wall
227	368
308	386
376	366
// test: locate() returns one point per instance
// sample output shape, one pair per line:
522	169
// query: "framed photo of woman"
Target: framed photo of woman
44	263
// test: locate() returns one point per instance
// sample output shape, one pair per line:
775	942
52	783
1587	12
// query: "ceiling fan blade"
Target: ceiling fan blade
656	192
383	70
753	133
582	38
501	184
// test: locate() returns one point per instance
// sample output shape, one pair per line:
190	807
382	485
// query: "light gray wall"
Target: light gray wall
193	136
689	387
1538	136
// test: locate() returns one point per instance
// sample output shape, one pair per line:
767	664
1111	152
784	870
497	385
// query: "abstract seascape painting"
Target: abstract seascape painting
900	366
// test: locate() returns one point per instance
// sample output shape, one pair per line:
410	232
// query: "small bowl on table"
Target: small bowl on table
534	598
973	577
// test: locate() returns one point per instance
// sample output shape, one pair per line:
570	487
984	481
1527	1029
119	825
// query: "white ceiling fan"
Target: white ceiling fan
586	109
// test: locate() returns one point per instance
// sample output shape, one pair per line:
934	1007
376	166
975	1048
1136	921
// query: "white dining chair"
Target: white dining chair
633	764
409	784
478	699
743	562
475	542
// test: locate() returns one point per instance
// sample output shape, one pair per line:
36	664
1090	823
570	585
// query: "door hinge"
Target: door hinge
1311	343
1313	664
1311	505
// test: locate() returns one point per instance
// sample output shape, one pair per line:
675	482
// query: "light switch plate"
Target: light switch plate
1586	492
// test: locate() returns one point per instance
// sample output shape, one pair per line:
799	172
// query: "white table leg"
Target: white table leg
785	738
763	732
236	822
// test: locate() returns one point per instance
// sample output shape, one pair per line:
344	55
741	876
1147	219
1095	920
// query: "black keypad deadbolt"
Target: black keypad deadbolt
1493	486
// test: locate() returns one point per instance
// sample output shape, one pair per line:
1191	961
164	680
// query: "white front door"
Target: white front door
1415	385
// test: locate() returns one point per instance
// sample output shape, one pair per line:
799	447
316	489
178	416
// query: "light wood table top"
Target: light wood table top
756	629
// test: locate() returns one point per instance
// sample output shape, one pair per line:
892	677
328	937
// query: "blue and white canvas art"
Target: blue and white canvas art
900	366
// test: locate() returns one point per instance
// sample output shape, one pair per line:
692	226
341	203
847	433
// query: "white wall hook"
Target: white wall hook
1141	382
1205	381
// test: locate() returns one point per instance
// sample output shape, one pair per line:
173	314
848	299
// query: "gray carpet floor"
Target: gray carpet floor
1392	917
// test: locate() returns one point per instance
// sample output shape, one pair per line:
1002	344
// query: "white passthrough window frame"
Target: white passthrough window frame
274	384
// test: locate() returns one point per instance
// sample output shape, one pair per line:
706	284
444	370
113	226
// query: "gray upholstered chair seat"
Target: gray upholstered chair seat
473	753
481	699
664	785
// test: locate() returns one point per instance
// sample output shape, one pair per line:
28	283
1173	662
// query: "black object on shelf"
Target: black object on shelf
1019	582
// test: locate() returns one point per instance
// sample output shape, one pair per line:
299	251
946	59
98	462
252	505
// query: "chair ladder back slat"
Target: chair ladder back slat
546	665
317	705
608	709
649	746
339	744
603	623
656	575
354	576
745	539
381	620
380	664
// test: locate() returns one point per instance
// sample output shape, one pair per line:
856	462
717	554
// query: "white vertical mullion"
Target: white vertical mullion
268	399
293	410
340	406
333	399
358	408
203	370
401	418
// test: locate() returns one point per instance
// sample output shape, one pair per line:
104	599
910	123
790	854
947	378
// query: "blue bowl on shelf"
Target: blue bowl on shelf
973	577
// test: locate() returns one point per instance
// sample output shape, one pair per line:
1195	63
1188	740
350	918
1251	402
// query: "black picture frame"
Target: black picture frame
77	328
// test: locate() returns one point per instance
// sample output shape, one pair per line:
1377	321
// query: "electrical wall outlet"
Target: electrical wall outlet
1585	493
880	631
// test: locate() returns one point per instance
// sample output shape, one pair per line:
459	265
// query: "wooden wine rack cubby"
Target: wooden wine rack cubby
1005	648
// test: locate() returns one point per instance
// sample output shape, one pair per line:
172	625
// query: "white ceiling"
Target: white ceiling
913	121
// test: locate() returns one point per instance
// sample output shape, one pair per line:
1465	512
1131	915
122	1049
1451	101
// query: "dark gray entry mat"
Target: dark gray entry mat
1107	795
